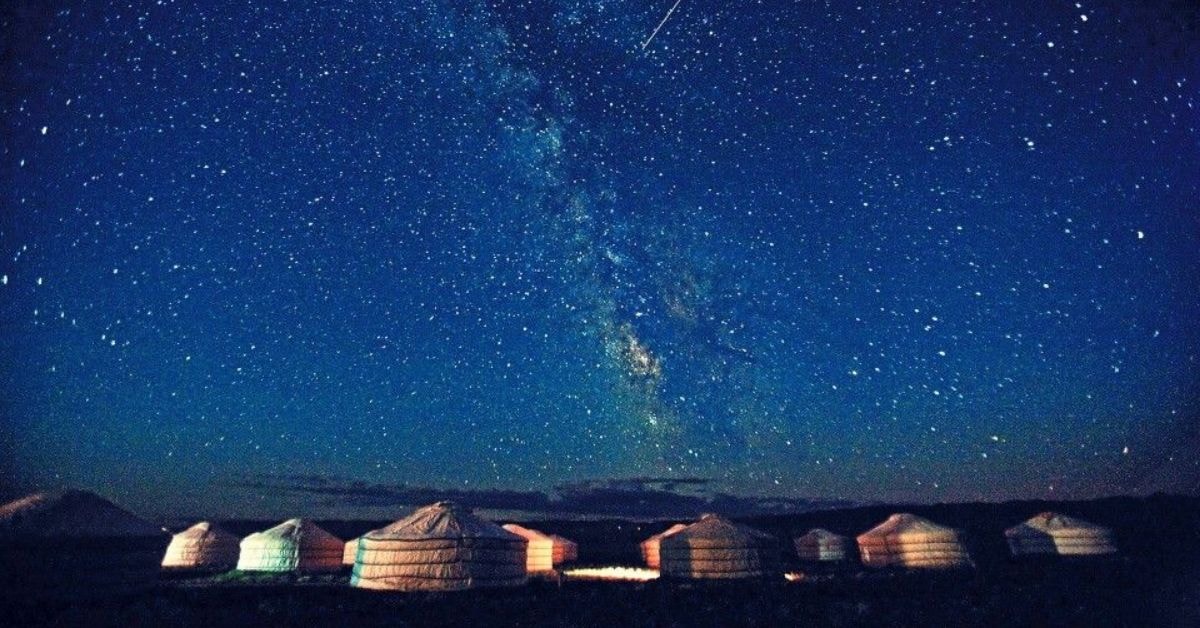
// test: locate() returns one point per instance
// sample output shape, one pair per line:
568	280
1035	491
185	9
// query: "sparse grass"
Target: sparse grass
1123	593
263	578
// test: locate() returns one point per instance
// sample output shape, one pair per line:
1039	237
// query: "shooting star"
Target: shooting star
660	24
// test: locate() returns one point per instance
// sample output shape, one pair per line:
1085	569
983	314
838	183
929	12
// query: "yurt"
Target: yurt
821	545
441	547
650	546
1052	533
294	545
75	544
202	546
545	551
569	549
349	552
715	547
906	540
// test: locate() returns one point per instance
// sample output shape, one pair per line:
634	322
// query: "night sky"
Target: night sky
256	256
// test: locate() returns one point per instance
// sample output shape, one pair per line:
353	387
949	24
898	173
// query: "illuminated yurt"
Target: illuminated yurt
821	545
545	551
1052	533
650	546
202	546
76	544
906	540
294	545
566	550
441	547
349	552
715	547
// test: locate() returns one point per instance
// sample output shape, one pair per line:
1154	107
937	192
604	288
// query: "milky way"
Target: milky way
925	252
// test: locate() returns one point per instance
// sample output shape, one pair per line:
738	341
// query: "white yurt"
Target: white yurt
545	551
202	546
906	540
75	544
651	545
821	545
294	545
441	547
1052	533
349	552
715	547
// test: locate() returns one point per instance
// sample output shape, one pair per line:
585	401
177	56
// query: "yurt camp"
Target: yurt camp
906	540
1052	533
821	545
715	547
349	552
75	544
202	546
294	545
441	547
650	546
545	551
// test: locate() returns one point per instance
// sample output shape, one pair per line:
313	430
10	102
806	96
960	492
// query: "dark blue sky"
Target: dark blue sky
923	251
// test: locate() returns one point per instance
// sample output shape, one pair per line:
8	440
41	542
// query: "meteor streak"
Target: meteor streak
660	24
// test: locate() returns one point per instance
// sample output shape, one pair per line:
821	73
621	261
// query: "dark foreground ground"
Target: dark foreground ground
1155	583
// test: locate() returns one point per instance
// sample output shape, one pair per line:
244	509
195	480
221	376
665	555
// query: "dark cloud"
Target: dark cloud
643	497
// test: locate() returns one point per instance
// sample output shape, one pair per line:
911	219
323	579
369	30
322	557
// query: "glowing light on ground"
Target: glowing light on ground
639	574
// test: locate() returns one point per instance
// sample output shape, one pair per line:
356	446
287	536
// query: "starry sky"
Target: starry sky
918	251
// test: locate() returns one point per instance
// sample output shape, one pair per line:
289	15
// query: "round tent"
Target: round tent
202	546
441	547
565	549
545	551
294	545
906	540
73	544
1052	533
349	552
821	545
715	547
651	545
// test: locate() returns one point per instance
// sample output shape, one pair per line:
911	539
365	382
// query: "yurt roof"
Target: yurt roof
669	531
711	526
821	534
298	530
1048	522
74	514
204	529
442	520
526	533
562	539
906	523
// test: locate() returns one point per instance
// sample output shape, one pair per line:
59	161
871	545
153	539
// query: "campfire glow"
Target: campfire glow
640	574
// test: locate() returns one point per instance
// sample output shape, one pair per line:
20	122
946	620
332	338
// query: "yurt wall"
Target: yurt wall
651	546
202	546
294	545
441	547
1050	533
821	545
716	548
905	540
